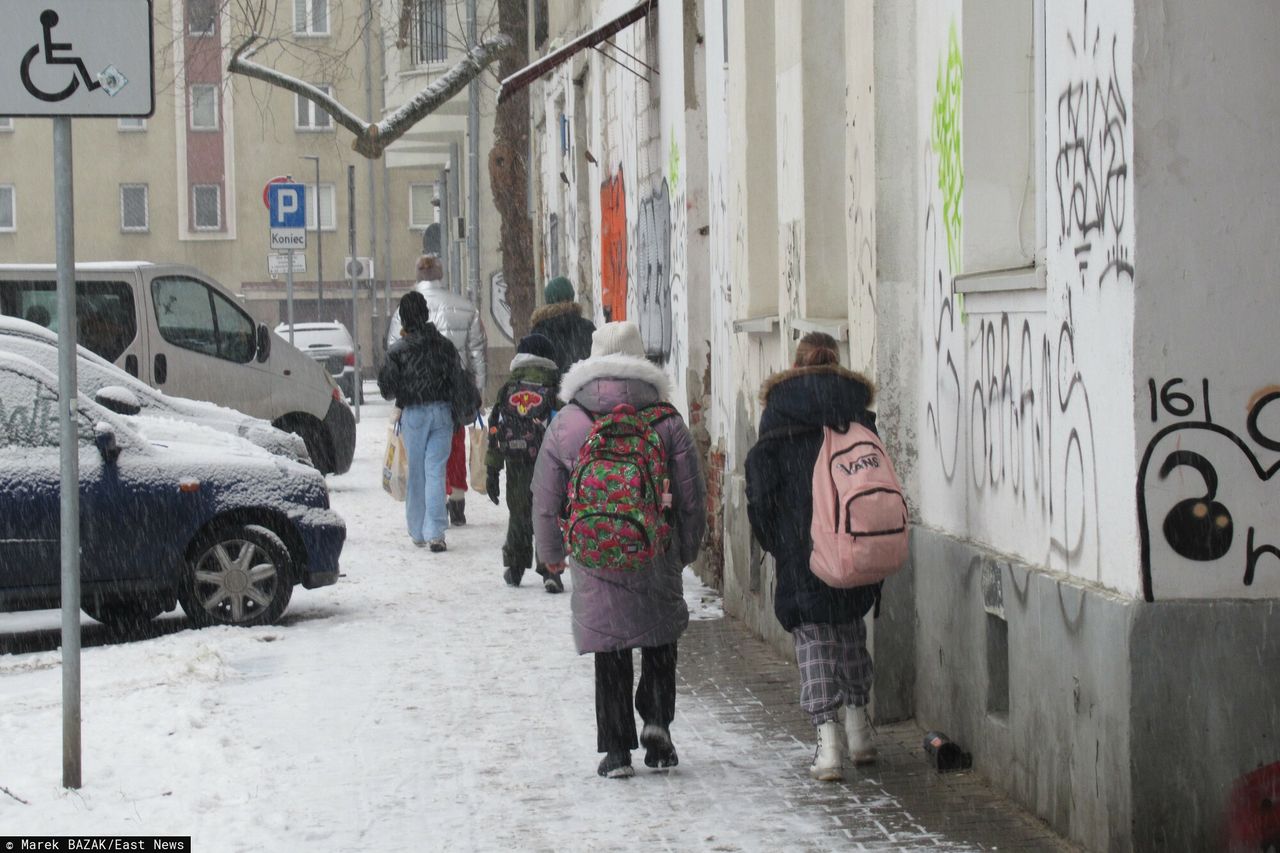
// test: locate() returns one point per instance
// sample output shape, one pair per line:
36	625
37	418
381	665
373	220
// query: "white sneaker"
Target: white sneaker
859	735
826	765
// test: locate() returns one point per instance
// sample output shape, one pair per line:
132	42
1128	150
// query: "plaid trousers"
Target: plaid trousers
835	668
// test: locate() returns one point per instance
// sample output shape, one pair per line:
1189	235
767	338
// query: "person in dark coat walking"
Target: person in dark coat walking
617	611
521	413
827	623
562	323
424	375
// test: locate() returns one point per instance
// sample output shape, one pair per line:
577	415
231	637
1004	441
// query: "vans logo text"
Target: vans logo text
871	460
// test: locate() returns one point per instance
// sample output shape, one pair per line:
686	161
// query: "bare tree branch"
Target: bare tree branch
372	139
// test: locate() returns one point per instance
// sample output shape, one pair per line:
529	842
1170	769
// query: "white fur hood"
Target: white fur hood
616	366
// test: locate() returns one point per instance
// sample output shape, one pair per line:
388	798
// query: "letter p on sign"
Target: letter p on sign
288	205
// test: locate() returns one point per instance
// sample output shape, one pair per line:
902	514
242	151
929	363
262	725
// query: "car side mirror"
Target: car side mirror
105	439
118	399
264	343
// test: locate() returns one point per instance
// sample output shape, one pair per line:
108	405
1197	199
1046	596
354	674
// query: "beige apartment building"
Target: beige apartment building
186	185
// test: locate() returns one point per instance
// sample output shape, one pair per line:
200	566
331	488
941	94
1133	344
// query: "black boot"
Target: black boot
616	765
659	751
513	576
457	512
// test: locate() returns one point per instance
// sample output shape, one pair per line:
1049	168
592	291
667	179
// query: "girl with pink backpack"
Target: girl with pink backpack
824	500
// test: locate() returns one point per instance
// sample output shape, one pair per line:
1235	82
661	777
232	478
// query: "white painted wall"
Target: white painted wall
1025	417
1207	114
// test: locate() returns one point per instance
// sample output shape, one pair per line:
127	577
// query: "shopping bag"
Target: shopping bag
478	444
395	465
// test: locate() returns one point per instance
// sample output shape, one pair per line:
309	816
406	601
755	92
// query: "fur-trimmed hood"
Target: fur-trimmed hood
817	370
617	366
555	309
528	359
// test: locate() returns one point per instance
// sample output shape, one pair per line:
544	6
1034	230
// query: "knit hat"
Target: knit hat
430	268
539	345
620	338
559	289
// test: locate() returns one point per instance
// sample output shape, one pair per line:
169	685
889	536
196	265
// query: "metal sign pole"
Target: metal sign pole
355	317
65	242
288	289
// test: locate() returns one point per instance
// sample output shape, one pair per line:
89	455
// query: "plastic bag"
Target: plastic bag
395	464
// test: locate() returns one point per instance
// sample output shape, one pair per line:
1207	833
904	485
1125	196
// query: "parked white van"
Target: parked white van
180	331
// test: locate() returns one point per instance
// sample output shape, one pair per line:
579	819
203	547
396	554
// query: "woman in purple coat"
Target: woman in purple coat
613	611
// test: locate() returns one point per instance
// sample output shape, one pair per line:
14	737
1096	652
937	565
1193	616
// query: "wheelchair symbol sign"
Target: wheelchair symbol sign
76	58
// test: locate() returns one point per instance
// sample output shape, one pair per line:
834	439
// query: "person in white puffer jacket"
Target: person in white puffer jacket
457	319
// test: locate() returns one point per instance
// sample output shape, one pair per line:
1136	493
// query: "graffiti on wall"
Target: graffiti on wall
1092	166
1203	492
861	230
945	142
499	307
653	272
613	247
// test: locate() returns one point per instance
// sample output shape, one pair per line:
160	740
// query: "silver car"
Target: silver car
331	345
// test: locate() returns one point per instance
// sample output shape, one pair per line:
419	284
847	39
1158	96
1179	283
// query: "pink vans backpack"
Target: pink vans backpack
859	527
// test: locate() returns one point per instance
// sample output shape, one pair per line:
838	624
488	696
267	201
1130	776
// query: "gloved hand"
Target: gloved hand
491	485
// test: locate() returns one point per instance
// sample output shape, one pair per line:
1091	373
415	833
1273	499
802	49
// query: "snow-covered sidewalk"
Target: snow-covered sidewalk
419	704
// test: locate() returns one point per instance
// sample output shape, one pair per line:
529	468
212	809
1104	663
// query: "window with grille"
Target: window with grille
8	216
134	215
202	16
430	38
207	206
311	17
308	116
204	107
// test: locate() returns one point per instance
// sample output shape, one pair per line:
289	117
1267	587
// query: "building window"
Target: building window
8	212
204	107
131	125
430	37
202	17
311	17
308	116
421	210
207	202
134	212
327	207
6	124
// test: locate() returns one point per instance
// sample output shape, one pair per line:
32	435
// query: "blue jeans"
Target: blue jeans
427	431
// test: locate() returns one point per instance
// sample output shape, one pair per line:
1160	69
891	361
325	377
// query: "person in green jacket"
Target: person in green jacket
517	423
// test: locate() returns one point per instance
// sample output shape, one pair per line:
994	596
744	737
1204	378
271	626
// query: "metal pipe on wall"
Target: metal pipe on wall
455	253
473	171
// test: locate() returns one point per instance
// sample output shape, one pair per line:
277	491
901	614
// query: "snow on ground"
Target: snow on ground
419	704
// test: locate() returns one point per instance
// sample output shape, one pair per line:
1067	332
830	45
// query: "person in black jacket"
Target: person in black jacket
424	375
561	322
827	623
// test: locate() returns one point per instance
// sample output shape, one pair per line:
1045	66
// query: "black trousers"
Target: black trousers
655	700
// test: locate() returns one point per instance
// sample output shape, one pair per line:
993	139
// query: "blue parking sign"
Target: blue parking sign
288	205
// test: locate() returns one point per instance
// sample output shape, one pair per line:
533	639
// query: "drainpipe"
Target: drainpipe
473	170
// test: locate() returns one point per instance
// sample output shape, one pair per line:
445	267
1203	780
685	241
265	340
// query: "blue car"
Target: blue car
227	531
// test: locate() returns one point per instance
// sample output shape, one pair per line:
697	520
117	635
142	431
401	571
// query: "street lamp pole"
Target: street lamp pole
319	243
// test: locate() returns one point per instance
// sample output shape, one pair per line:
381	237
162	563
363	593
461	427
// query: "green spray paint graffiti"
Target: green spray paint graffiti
946	144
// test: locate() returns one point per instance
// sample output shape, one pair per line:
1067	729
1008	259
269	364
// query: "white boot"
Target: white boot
859	735
826	759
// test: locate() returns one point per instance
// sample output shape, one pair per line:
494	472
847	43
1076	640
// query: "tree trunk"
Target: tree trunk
509	170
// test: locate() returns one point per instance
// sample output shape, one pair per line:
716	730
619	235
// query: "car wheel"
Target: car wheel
123	616
317	447
240	575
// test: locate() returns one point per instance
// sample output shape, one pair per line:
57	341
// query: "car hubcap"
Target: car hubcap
235	580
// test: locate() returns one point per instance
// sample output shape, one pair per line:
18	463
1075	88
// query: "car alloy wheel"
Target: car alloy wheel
239	575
